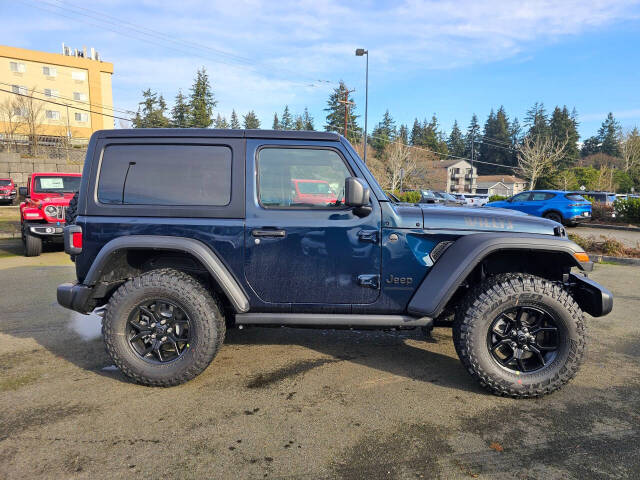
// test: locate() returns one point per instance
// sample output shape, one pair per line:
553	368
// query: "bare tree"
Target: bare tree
31	116
9	120
400	167
630	149
537	156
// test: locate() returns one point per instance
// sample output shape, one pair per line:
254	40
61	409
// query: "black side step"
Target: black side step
323	319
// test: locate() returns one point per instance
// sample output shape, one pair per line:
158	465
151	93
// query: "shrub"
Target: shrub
628	210
409	197
497	198
601	211
586	243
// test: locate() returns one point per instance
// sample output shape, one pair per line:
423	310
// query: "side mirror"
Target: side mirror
356	195
22	191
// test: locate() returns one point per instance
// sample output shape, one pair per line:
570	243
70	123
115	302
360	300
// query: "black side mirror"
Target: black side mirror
22	191
356	195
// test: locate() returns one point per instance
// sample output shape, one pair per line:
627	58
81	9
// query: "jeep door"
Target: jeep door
302	252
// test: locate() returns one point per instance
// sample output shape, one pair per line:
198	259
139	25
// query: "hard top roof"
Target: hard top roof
213	132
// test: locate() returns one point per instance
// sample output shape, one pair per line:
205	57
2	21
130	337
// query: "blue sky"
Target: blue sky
452	58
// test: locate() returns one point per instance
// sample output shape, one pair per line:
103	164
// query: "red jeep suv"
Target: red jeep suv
42	215
314	192
7	190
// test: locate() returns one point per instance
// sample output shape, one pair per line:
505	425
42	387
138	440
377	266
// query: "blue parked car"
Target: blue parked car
567	208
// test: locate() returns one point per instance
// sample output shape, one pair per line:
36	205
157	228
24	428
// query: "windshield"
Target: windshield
4	183
55	184
446	196
314	187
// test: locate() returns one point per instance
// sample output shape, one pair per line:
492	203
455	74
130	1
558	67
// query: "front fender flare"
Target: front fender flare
459	260
199	250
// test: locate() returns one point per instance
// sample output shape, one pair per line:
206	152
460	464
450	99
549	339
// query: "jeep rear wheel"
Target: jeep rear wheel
32	245
520	335
163	328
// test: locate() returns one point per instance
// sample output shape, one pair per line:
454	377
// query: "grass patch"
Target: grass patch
10	220
18	381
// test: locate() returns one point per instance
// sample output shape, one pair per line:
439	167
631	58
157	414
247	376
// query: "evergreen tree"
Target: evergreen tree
564	126
308	120
336	114
383	134
472	138
495	146
221	122
455	142
286	123
276	122
235	123
298	123
403	135
536	121
201	102
180	112
590	146
516	132
251	120
416	133
151	111
608	135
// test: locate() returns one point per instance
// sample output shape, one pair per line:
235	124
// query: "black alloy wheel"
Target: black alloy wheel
159	331
523	339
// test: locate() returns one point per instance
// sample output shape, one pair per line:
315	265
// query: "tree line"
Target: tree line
545	148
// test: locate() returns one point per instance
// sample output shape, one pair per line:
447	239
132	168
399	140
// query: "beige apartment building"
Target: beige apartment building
453	176
70	93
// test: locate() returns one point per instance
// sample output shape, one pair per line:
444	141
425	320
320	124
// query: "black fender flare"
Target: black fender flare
459	260
199	250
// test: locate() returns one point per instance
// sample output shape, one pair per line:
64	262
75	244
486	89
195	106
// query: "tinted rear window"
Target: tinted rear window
165	175
574	197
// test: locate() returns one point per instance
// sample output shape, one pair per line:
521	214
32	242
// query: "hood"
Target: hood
438	217
48	199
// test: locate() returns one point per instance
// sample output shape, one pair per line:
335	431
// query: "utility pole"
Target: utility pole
346	103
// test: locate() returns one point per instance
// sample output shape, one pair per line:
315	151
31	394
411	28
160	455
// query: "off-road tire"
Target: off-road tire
203	308
32	245
486	301
72	210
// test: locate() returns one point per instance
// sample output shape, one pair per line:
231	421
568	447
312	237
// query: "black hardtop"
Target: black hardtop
217	133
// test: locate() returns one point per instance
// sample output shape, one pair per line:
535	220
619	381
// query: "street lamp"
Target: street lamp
359	53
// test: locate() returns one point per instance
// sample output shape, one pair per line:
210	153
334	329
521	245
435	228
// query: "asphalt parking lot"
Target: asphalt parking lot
294	403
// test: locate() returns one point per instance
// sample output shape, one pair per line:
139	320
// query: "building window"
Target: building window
80	97
50	92
82	117
53	115
49	71
20	112
17	67
19	90
79	75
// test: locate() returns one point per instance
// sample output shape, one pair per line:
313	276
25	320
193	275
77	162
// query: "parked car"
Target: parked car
477	199
460	197
428	196
179	245
607	198
448	199
315	192
42	214
568	208
7	190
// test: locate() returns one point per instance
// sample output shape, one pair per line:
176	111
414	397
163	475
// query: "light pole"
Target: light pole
359	53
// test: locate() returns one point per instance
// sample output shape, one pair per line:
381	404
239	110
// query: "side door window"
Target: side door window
301	178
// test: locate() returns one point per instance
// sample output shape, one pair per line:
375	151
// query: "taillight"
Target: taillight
76	240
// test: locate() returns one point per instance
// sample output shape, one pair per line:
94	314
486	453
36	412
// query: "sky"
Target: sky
451	58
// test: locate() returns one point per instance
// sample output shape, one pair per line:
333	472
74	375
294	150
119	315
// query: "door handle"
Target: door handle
268	233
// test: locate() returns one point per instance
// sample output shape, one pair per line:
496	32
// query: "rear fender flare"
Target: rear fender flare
197	249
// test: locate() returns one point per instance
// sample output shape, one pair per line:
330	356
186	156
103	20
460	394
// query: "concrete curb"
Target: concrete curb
608	227
617	260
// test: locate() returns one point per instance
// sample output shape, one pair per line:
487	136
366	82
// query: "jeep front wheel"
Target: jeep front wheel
520	335
32	245
163	328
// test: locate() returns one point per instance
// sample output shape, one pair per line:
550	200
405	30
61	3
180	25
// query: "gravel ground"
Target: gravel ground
293	403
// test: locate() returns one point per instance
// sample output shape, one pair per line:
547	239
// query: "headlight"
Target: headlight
51	211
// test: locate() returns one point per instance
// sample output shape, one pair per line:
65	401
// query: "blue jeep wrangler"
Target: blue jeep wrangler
180	234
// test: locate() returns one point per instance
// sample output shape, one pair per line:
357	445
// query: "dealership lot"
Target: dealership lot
301	403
